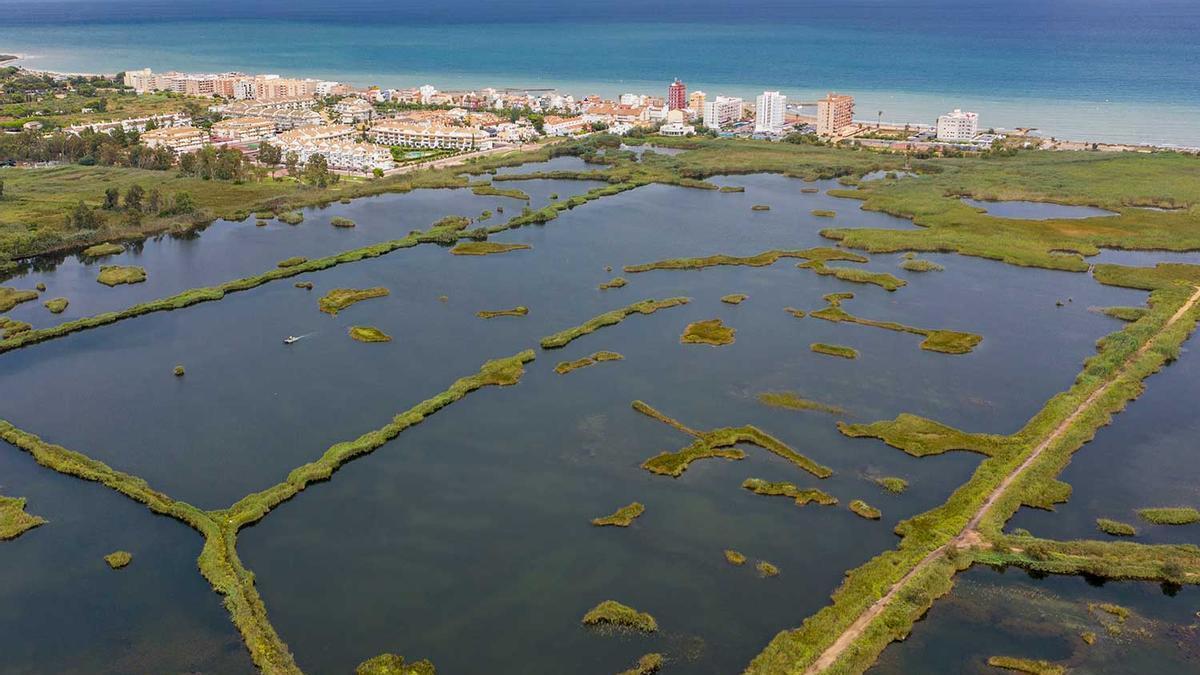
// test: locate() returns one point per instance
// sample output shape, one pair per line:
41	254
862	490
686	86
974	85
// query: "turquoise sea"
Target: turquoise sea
1081	69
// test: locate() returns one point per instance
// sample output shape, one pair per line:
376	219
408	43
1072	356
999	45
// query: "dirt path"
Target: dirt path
970	534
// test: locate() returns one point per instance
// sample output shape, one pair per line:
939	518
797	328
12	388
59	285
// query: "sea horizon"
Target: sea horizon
1111	77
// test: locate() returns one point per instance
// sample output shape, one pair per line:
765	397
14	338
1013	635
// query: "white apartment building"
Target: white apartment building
178	139
957	126
345	155
134	124
428	135
554	125
426	92
770	107
722	110
323	133
352	110
244	129
290	113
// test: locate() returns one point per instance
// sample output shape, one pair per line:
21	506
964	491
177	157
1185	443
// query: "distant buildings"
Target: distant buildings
835	112
429	135
229	85
138	124
957	126
290	113
337	144
675	125
353	110
554	125
677	95
696	102
721	111
178	139
244	129
769	112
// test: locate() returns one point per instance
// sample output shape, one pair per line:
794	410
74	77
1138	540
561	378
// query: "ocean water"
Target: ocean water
1080	69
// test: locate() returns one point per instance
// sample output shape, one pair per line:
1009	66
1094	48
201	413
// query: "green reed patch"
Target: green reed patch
711	332
369	334
1115	527
1174	515
622	517
339	299
790	400
649	306
865	510
611	613
519	310
564	367
834	350
14	521
113	275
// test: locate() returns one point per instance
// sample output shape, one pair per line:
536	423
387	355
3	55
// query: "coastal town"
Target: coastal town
287	122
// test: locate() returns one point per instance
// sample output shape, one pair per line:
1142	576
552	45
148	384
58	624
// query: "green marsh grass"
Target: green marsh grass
611	613
339	299
649	306
622	517
711	332
113	275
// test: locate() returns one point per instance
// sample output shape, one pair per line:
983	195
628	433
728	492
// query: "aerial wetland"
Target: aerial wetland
590	446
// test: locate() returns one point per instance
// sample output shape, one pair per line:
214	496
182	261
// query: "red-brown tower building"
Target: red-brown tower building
677	95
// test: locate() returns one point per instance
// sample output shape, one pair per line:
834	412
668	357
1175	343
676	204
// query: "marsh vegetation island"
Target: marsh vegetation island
292	462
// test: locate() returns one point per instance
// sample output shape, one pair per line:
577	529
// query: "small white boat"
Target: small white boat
290	339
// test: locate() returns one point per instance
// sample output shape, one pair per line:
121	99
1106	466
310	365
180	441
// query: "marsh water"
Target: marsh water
466	540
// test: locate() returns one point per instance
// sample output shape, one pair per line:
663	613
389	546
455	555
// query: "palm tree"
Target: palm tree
879	121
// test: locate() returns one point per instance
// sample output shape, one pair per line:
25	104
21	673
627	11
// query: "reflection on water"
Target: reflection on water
472	527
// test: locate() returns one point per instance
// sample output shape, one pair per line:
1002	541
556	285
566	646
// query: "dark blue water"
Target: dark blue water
1095	69
472	527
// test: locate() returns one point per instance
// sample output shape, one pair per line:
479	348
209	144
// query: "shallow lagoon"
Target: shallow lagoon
1026	210
472	528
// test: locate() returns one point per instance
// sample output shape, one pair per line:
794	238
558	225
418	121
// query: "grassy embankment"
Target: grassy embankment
936	340
14	521
649	306
719	443
734	298
925	558
218	561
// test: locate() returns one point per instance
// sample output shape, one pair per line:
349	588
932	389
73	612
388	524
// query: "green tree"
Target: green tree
293	164
377	172
133	197
83	217
1	189
154	201
316	171
269	155
111	198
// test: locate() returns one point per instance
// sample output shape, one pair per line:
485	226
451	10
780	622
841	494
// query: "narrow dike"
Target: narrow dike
846	642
